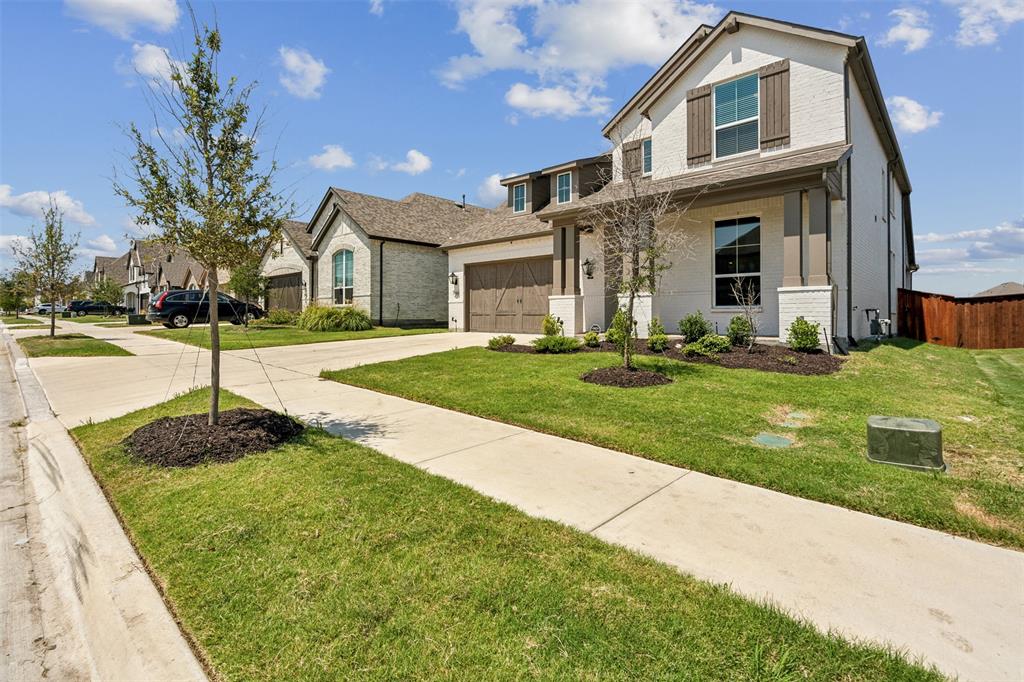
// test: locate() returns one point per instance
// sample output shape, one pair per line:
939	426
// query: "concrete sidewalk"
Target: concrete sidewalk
956	603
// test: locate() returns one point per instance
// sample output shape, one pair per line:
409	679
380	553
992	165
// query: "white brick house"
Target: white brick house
782	134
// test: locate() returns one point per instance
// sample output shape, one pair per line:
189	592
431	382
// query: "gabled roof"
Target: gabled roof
860	66
500	225
295	230
565	165
418	218
117	270
1004	289
102	262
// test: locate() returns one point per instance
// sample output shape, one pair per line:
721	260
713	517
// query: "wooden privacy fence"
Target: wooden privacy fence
973	322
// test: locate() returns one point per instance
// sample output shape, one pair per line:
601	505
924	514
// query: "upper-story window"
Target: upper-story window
648	160
564	186
343	277
736	120
519	198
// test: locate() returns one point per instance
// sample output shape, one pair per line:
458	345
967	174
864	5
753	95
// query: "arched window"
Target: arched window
343	277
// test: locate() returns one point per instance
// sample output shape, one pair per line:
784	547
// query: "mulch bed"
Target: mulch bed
767	358
621	377
189	440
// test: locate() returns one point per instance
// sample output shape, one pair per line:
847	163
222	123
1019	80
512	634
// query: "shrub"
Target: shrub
709	346
739	331
281	316
355	320
551	326
694	327
557	344
498	342
657	339
591	340
803	335
620	330
317	318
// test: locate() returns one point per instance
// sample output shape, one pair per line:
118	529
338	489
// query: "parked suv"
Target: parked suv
44	308
82	308
179	309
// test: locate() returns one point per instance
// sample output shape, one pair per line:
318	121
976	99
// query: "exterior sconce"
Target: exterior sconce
454	279
588	268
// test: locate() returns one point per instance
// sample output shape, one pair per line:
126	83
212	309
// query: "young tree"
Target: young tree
642	229
247	281
47	256
203	189
749	300
15	291
106	290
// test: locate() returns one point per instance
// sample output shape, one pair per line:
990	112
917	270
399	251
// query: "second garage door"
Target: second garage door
285	292
509	297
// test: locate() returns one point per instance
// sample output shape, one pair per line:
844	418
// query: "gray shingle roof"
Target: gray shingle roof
498	225
117	270
296	229
1004	289
418	217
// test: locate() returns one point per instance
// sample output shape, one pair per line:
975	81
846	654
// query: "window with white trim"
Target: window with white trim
736	116
343	277
737	259
519	198
648	160
563	184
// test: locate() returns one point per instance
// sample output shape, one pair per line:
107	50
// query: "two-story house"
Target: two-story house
775	140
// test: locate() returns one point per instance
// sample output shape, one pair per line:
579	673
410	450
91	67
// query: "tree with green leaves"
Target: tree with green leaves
47	256
15	291
106	290
202	189
247	281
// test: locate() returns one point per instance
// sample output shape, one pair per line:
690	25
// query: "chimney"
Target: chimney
463	202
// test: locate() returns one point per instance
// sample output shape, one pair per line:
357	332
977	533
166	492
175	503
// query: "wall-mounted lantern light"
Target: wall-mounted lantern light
588	268
454	279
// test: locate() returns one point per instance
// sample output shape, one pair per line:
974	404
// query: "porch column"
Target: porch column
572	260
818	237
558	262
792	234
565	302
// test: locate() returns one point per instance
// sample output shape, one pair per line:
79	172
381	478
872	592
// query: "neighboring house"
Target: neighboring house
150	268
181	272
1004	289
287	266
111	267
379	254
783	131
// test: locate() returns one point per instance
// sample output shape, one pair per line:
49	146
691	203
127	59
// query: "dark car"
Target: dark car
82	308
180	308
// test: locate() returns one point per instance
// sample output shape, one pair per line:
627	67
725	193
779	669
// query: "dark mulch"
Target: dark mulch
625	378
763	357
189	440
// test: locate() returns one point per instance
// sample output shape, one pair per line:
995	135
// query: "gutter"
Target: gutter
380	285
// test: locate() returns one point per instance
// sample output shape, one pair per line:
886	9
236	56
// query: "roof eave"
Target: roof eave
497	240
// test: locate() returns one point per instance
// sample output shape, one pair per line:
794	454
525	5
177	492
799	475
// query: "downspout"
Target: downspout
380	285
888	240
849	211
312	259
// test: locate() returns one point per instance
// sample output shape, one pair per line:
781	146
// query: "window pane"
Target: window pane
723	292
725	262
726	142
339	269
746	97
725	103
564	188
748	259
746	136
647	156
519	198
348	268
749	233
725	234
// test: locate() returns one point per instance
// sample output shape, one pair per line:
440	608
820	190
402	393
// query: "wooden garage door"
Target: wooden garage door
509	297
285	292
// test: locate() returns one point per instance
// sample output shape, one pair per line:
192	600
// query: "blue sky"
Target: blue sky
394	97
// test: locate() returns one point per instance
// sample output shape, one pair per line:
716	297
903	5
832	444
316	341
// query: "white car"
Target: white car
44	308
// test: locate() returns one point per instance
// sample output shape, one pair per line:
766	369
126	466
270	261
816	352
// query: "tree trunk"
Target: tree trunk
53	319
627	352
214	348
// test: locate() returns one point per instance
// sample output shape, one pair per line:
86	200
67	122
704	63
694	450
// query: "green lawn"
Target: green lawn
93	319
706	419
325	560
21	320
239	338
67	345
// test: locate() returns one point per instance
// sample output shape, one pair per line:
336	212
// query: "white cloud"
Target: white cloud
7	242
987	250
911	29
491	192
982	21
333	157
121	17
911	116
556	101
133	230
32	204
571	46
303	74
103	245
416	162
377	7
152	62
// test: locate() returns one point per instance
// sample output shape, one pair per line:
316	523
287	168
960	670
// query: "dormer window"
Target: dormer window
519	198
736	116
564	186
648	160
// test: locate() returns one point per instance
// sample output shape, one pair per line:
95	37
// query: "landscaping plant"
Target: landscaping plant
204	190
657	339
499	342
551	326
47	257
280	316
694	327
804	336
106	290
318	318
620	331
709	346
247	281
748	298
591	339
15	290
556	344
738	331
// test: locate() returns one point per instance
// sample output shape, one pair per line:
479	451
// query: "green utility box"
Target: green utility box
137	319
906	442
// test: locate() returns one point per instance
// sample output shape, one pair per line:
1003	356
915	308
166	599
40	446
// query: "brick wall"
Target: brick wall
285	259
415	282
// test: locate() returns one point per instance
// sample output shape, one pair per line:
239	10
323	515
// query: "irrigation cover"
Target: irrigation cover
906	442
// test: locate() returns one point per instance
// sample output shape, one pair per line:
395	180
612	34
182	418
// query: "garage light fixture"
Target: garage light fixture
588	268
454	279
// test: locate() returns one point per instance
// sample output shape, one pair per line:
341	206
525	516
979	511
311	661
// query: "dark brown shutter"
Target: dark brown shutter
632	158
699	125
774	85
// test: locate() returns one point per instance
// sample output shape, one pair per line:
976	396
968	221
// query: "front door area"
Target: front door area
508	297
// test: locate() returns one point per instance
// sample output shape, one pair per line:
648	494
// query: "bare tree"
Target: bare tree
642	227
199	185
47	256
748	298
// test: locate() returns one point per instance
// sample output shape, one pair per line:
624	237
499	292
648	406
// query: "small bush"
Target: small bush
804	336
499	342
281	316
317	318
694	327
709	346
657	342
557	344
355	320
738	331
591	339
620	330
551	326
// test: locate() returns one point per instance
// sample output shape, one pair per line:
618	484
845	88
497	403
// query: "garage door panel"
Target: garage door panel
481	297
509	297
284	292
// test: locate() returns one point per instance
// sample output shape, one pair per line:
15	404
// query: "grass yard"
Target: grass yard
323	559
239	338
67	345
95	319
707	418
20	321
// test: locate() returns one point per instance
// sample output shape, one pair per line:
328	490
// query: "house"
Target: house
376	253
150	267
776	140
1004	289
